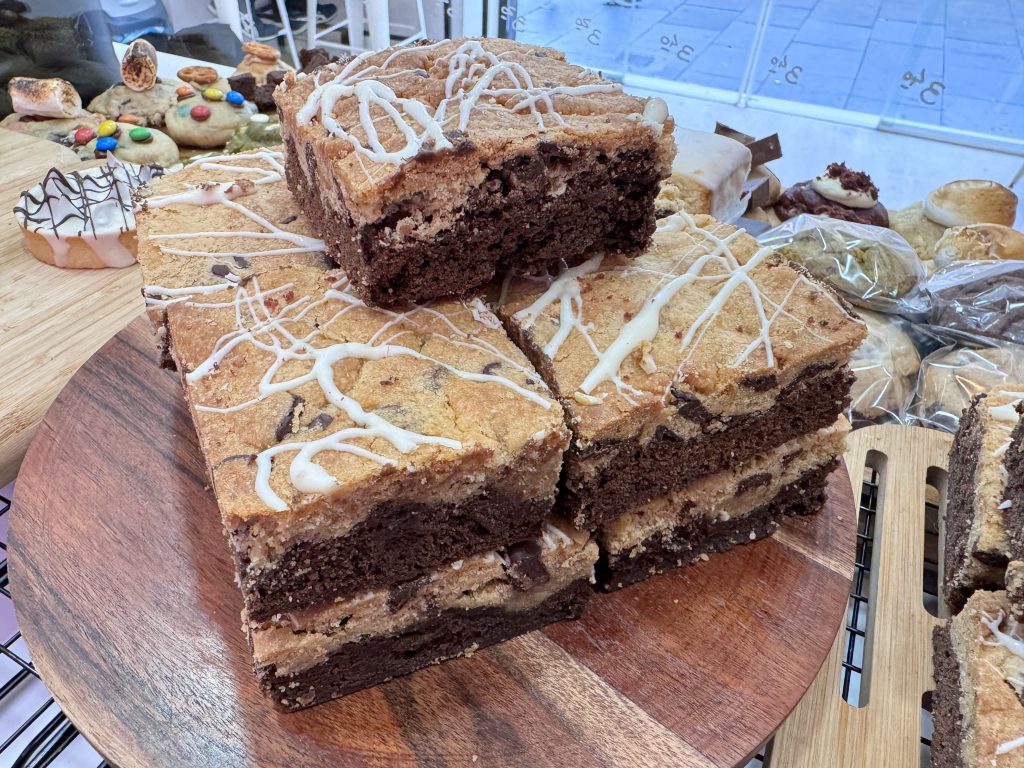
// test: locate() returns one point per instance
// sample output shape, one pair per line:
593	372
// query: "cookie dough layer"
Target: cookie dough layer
430	167
984	521
977	709
303	658
703	352
349	446
720	510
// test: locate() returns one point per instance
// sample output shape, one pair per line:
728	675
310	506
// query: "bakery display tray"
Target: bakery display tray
124	591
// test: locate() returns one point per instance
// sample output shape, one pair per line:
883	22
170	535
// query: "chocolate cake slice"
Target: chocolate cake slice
978	706
702	353
428	168
984	522
352	448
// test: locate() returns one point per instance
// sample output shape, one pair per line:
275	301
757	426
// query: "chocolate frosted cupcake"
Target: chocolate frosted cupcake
839	193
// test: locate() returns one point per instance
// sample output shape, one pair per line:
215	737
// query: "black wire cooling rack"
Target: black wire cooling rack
36	734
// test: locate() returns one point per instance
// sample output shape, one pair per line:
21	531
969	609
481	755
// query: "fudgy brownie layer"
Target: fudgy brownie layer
444	635
640	472
702	536
946	714
606	203
1013	516
396	542
963	470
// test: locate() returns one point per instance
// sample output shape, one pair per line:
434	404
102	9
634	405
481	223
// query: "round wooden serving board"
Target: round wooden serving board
125	593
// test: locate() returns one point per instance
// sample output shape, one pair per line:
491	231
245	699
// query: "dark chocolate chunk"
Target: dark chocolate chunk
263	96
284	426
311	59
490	368
789	458
526	569
758	193
242	262
244	83
761	383
661	432
275	77
401	594
689	406
752	482
289	219
220	270
322	421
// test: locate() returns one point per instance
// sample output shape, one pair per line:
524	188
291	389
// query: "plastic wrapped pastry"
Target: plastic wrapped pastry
870	266
982	297
979	242
885	366
953	375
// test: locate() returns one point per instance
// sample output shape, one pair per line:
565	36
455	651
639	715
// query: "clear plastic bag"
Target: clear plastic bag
886	366
959	367
872	267
980	297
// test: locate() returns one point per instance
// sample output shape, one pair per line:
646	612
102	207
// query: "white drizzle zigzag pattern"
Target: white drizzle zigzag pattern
645	324
472	72
271	332
1015	645
226	194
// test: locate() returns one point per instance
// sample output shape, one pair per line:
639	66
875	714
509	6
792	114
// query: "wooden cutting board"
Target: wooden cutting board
125	594
51	320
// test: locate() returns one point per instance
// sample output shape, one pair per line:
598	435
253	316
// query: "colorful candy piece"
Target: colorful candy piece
200	112
213	94
107	128
106	144
184	92
133	119
234	98
140	135
84	135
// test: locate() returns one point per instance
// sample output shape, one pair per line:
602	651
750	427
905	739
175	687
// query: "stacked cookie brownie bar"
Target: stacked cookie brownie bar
702	382
402	483
978	707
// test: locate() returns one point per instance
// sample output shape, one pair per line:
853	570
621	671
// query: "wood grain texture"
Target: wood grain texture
825	731
44	333
124	589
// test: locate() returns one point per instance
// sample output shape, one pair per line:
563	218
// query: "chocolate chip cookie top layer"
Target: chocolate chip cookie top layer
703	311
382	114
840	193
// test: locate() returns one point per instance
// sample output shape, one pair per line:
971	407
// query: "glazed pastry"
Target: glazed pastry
978	242
708	174
54	97
839	193
885	366
956	204
84	219
207	119
261	131
134	144
261	59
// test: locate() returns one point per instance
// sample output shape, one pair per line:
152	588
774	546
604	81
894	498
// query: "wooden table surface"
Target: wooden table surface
124	590
51	320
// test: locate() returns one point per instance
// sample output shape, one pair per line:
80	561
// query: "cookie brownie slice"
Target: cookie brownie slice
698	355
978	707
351	447
209	225
305	657
718	511
984	522
428	167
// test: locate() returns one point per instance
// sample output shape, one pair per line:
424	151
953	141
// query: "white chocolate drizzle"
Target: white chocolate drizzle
641	329
269	170
470	86
271	331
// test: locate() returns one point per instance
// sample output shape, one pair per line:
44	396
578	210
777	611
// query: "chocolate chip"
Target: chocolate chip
220	270
526	569
689	406
490	368
289	219
789	458
322	421
284	426
760	383
664	433
242	262
752	482
401	594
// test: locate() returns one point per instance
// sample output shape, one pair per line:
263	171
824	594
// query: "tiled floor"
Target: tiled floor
958	64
